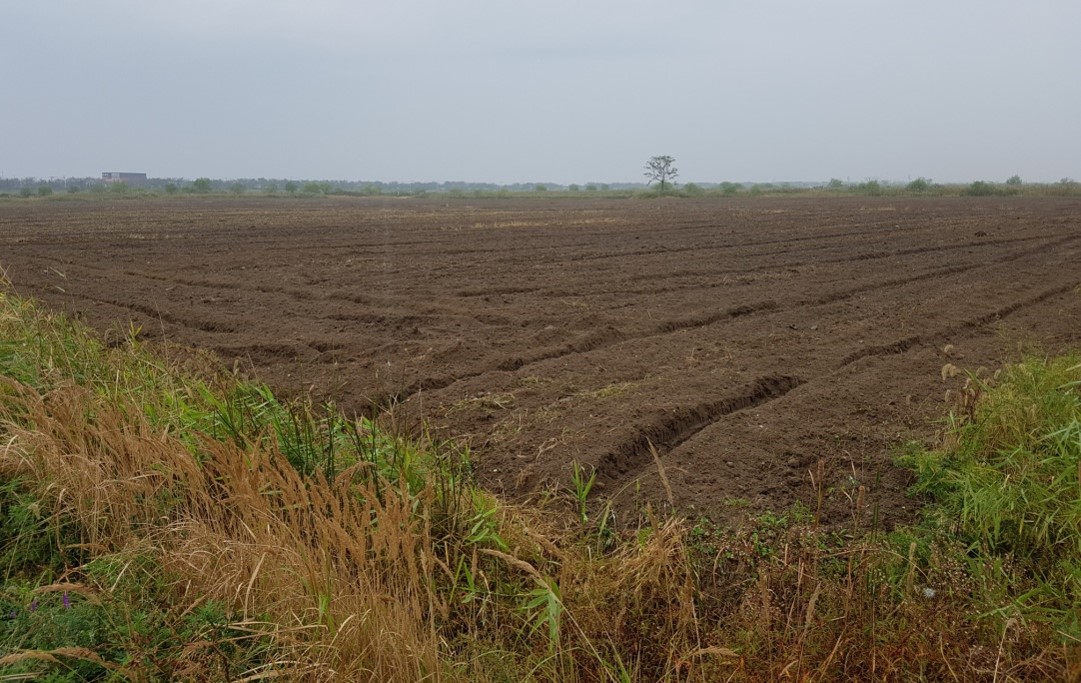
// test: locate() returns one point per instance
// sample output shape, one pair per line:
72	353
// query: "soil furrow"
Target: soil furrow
680	425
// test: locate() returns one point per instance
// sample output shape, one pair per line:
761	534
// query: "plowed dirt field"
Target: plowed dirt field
738	343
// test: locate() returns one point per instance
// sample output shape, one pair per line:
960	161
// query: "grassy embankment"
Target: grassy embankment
162	520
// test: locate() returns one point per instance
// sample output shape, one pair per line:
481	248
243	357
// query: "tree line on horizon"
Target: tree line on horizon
660	180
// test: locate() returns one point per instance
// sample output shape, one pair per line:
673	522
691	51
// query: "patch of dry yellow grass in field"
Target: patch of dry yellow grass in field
338	576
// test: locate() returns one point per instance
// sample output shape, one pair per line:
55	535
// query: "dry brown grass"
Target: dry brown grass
341	580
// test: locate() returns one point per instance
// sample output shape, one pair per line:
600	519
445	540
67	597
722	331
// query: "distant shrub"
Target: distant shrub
118	188
836	184
171	188
980	188
201	185
26	192
291	186
919	185
730	189
693	190
540	187
1065	187
574	188
312	188
1014	181
871	187
591	188
72	189
271	188
238	188
44	191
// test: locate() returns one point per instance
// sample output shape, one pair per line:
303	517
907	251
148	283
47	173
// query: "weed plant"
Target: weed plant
1008	484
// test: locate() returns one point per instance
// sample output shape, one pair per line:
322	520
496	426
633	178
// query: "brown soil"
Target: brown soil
740	341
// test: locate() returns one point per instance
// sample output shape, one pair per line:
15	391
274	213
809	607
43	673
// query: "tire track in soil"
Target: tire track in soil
591	342
782	267
941	336
613	337
301	294
668	433
158	314
630	460
869	255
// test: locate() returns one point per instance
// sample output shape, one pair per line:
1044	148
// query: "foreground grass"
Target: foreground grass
162	520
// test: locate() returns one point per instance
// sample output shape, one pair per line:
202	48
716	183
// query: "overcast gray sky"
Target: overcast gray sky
562	91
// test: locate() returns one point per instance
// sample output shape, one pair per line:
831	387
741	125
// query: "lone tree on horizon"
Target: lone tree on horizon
661	169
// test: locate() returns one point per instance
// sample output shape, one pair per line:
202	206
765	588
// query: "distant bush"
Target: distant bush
591	188
171	188
693	190
1014	181
201	185
312	188
980	188
1065	187
729	189
540	187
238	188
291	186
836	184
73	189
118	188
26	192
919	185
44	191
270	188
871	187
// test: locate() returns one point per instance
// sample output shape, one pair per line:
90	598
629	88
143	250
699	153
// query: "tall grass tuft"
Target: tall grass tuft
313	536
1008	481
